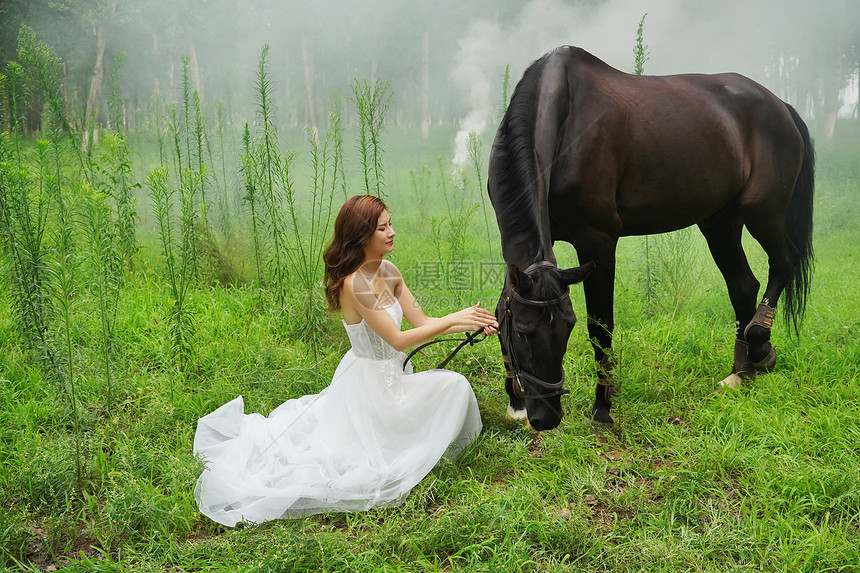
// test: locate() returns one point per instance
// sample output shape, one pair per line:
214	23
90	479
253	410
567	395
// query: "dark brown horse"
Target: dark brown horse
587	154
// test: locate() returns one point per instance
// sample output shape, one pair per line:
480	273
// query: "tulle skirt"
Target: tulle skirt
366	440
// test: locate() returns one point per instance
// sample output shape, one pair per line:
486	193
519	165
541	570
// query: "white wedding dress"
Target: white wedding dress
366	440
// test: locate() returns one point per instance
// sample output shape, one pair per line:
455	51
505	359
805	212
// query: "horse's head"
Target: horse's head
535	320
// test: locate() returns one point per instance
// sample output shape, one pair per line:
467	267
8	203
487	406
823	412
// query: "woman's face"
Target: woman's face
382	240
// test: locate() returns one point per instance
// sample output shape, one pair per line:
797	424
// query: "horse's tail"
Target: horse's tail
798	223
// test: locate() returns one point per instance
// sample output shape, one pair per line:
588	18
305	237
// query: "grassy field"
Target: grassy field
688	479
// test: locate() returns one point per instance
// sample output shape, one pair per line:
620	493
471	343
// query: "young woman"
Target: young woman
369	437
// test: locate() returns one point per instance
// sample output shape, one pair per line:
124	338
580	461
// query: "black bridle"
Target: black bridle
471	338
515	373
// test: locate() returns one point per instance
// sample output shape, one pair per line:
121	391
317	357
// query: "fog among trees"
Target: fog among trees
446	60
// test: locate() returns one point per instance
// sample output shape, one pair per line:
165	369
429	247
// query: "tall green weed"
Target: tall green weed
23	225
115	179
372	102
103	261
271	182
178	266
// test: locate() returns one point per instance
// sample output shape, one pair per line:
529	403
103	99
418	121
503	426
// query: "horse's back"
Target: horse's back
670	149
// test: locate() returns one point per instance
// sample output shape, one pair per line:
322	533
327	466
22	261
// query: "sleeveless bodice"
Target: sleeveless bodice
367	344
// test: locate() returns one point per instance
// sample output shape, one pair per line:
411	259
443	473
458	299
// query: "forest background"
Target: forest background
445	61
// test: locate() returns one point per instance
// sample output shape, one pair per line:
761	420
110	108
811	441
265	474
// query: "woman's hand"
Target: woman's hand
474	318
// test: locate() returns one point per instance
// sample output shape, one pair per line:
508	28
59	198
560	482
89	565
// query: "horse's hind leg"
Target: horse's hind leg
723	233
768	228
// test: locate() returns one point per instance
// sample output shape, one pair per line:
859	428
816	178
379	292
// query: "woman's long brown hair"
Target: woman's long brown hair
353	227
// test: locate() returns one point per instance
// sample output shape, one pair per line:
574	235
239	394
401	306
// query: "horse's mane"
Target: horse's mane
550	285
545	284
514	169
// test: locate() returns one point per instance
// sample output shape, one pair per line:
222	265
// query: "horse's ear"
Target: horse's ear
576	274
513	275
518	279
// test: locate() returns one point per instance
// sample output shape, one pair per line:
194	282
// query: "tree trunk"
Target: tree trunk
95	87
308	62
195	69
97	79
156	55
831	84
425	86
288	111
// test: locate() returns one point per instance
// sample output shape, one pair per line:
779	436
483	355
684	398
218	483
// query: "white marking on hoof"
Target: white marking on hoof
732	382
517	414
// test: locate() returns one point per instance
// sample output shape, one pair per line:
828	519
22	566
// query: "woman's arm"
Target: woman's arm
413	312
424	328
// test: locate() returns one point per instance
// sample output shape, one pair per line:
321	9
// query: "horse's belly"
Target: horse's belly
664	212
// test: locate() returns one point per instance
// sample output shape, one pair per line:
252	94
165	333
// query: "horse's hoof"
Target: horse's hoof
601	418
766	365
731	382
598	428
517	414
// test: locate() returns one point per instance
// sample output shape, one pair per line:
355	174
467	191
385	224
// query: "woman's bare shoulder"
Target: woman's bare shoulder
348	281
347	290
389	269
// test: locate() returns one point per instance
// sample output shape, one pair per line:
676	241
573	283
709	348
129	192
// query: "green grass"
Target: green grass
689	479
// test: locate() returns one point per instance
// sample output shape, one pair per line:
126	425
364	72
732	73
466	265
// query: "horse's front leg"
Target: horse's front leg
599	300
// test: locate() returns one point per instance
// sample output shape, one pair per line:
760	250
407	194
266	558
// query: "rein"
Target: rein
515	373
472	338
